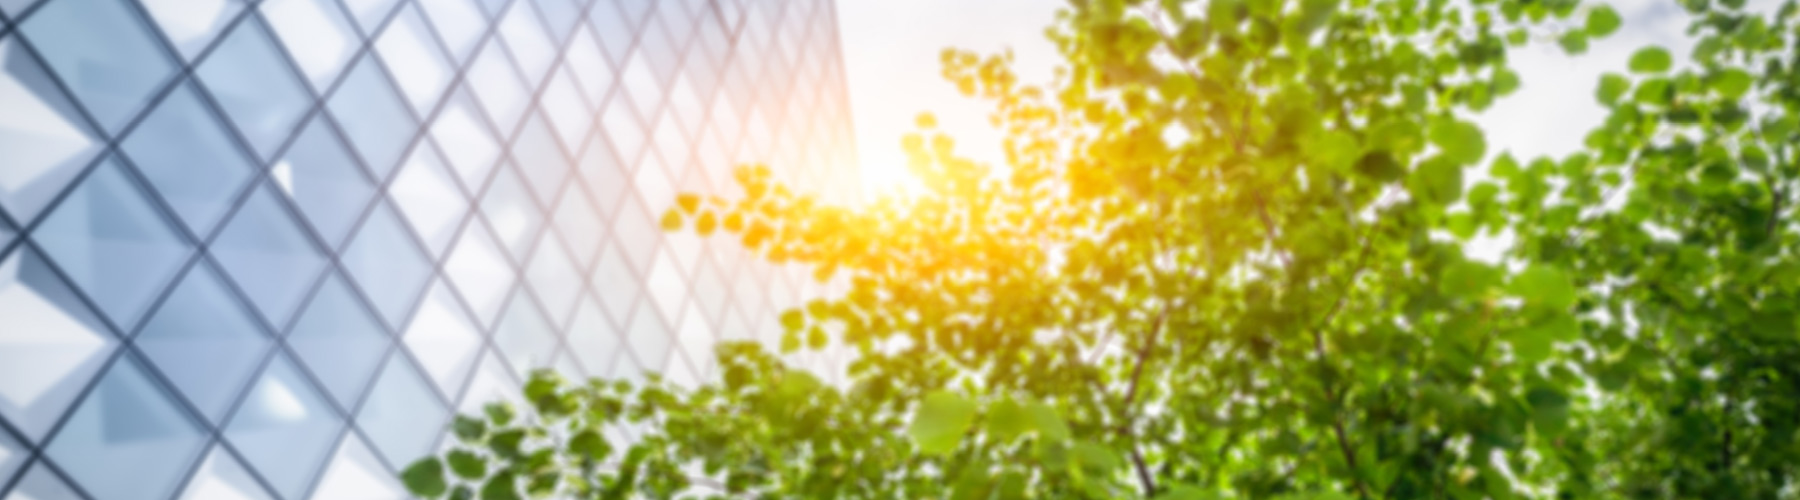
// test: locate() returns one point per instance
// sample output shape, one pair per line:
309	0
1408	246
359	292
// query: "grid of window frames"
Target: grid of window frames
264	249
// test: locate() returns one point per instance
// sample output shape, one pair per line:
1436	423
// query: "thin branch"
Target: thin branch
1137	374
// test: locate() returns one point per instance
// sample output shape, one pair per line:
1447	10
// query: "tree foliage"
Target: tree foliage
1225	258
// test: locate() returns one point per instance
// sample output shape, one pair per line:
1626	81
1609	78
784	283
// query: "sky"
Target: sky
891	55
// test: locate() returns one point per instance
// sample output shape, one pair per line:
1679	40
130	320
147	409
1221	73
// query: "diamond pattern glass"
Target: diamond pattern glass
127	441
113	244
346	219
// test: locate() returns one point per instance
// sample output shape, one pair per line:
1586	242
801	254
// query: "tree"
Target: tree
1224	259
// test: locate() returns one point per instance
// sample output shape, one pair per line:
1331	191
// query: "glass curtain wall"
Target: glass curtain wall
265	249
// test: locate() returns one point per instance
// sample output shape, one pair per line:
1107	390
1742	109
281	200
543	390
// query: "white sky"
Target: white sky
891	52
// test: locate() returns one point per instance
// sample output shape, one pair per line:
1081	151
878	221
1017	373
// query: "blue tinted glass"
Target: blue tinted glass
429	198
402	417
105	54
511	211
55	349
498	87
388	263
319	175
339	340
540	159
480	272
524	36
524	337
204	341
260	92
614	31
284	429
369	13
189	159
443	340
12	455
373	117
113	243
41	484
459	24
263	249
468	145
46	140
223	477
127	441
414	59
561	16
191	25
492	6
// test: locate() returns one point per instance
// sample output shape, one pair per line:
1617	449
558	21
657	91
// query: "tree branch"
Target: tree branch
1145	479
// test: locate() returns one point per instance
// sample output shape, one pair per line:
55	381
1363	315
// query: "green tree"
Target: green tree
1225	259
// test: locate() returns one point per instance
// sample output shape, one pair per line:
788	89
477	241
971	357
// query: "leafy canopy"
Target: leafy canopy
1225	258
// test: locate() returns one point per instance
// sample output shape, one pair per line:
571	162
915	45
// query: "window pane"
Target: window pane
554	277
12	456
373	117
429	198
46	140
113	244
403	417
589	65
191	24
561	16
284	428
222	477
190	159
260	93
637	233
127	441
592	338
468	145
204	341
605	175
459	23
316	35
104	52
443	340
354	472
417	63
512	213
339	340
649	339
41	484
623	129
524	36
497	86
540	158
576	221
319	175
525	337
567	109
369	13
263	249
616	283
641	84
480	272
668	288
388	264
614	30
59	347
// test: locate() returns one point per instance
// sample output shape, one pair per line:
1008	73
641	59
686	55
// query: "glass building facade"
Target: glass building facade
265	249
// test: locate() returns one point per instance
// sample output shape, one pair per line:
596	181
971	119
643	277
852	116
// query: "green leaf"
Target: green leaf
940	422
425	478
1545	287
469	429
1007	419
1047	421
1602	20
591	445
1732	83
1573	42
503	486
500	413
1549	409
1612	87
1095	456
1460	141
466	464
1334	150
1651	60
1180	491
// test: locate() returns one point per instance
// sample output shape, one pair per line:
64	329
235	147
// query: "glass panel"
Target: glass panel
316	34
592	339
284	428
104	52
588	64
539	157
319	175
555	278
524	36
418	64
41	484
12	455
373	117
492	6
567	368
614	30
511	211
561	16
204	341
191	24
339	340
428	198
622	127
615	283
256	89
637	233
567	110
388	263
662	52
480	272
443	340
113	244
605	175
524	337
369	13
711	292
127	441
667	286
491	383
672	155
576	222
697	340
355	473
190	159
402	416
459	23
641	84
649	339
497	86
265	252
222	477
46	140
57	349
468	145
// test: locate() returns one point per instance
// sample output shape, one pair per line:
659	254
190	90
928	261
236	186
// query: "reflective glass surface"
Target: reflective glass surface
265	252
223	477
444	340
44	365
320	176
429	198
374	119
284	428
418	64
46	139
339	340
204	341
355	473
403	416
252	81
192	24
387	262
190	159
104	52
113	244
127	441
316	34
524	337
